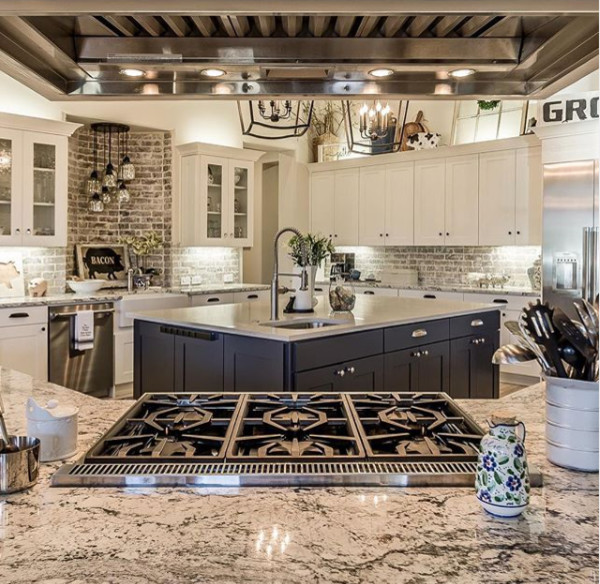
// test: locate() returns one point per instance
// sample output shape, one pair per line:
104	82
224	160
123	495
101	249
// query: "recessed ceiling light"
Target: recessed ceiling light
381	72
132	72
212	72
458	73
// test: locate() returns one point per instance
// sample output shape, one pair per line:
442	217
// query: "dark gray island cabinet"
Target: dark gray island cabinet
453	355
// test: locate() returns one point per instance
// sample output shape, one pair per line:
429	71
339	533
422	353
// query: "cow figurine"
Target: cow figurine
103	260
423	140
8	272
37	287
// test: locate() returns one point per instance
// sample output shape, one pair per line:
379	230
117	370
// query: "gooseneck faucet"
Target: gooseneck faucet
275	282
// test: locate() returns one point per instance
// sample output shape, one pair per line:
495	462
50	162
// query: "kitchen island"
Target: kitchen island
270	535
395	344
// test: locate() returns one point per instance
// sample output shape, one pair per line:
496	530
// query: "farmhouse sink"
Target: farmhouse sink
313	323
136	303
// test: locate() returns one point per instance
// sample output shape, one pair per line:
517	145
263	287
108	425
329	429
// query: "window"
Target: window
472	124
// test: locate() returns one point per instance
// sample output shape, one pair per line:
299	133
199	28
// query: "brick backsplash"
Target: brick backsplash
210	263
447	266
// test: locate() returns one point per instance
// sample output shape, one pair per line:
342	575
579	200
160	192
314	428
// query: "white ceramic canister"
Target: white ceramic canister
572	423
56	427
502	480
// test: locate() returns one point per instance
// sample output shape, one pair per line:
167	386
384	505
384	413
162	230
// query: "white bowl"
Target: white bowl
85	286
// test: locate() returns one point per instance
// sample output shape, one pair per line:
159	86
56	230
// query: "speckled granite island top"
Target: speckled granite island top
252	318
294	536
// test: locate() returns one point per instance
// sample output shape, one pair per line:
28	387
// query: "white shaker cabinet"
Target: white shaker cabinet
322	203
334	205
497	197
430	181
345	223
386	205
462	200
529	192
33	185
217	195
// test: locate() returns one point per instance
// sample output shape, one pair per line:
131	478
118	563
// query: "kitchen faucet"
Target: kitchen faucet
275	282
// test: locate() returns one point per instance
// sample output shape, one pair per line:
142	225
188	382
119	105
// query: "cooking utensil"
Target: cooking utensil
511	354
19	468
588	322
538	321
517	329
576	361
5	443
573	335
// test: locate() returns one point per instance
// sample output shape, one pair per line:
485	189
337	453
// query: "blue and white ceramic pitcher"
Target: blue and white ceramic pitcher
502	480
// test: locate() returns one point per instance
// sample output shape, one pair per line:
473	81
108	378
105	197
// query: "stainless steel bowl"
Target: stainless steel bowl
19	470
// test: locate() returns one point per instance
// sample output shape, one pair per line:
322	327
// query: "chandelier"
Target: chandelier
276	119
110	180
377	129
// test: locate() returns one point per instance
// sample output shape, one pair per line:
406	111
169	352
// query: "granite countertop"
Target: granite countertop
506	291
369	313
113	295
294	535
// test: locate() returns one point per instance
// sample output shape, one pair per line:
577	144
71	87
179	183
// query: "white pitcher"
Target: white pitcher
502	480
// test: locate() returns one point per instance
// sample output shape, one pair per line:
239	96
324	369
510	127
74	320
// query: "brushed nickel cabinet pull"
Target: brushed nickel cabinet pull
419	333
477	322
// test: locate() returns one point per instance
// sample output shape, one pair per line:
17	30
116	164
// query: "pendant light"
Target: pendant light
378	130
93	184
110	176
123	195
127	169
96	205
276	119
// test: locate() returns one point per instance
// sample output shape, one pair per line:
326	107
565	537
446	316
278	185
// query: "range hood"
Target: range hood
78	50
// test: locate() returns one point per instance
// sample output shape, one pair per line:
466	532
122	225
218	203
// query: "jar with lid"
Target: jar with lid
342	296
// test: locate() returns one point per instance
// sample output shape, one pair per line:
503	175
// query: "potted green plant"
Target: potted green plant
318	248
488	105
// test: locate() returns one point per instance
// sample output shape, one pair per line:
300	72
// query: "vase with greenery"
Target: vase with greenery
142	246
325	124
318	248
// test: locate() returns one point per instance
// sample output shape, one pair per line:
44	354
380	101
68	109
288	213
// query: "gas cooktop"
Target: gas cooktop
283	439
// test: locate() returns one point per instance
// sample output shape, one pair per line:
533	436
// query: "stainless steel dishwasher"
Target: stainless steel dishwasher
89	371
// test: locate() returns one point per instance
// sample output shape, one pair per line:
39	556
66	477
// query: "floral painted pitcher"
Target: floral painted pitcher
502	480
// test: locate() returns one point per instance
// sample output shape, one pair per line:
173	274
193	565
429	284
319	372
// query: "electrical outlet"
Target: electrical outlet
228	278
196	280
186	280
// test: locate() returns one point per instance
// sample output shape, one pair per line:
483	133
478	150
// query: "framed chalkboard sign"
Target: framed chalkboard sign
103	261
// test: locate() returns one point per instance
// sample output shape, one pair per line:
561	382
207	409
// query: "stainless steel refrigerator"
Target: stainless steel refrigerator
570	236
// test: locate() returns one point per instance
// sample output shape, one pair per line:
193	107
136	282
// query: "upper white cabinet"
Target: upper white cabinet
334	205
477	194
386	205
217	196
33	181
510	197
462	200
497	197
430	180
529	192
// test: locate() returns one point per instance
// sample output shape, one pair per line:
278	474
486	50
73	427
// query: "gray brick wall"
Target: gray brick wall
447	265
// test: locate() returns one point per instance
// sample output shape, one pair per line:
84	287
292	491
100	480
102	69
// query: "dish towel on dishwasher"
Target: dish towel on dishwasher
83	335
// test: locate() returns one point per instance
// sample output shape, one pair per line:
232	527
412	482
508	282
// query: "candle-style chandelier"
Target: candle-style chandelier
377	130
110	181
275	119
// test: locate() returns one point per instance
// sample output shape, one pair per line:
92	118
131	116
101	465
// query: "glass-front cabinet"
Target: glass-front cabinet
33	184
217	200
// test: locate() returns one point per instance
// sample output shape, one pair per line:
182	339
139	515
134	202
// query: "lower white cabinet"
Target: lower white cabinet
124	356
24	347
430	294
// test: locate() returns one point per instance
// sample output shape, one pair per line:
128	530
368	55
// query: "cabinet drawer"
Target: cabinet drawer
412	335
321	352
431	295
211	299
358	375
251	296
377	291
473	324
23	315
